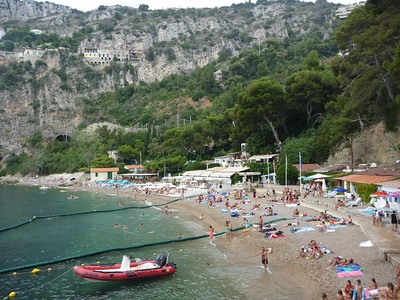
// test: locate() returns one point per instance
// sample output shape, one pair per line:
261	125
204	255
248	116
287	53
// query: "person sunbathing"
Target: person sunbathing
340	261
291	224
273	234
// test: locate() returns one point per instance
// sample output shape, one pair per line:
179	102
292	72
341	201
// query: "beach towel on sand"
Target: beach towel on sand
348	271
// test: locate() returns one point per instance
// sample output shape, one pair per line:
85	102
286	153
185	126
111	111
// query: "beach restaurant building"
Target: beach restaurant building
103	173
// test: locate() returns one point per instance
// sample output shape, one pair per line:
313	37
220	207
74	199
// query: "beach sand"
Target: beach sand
304	278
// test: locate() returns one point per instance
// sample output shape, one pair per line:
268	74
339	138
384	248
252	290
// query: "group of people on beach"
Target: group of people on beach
358	292
313	250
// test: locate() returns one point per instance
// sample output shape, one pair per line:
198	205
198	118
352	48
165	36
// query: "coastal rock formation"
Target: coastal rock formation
373	145
29	9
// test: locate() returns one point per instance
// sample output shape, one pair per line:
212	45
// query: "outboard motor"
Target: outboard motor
161	259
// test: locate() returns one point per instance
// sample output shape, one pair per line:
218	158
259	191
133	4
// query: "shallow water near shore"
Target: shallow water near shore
57	237
204	271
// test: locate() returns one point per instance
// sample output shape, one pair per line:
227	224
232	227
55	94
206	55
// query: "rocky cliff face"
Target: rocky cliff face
28	9
50	104
373	145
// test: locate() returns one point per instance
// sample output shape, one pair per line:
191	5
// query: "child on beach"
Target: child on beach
211	235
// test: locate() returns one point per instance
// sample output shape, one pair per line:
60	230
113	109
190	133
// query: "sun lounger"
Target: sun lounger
357	202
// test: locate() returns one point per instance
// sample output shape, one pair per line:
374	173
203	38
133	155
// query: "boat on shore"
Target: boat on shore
127	270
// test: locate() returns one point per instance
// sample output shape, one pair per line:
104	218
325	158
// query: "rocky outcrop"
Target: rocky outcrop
28	9
49	100
373	145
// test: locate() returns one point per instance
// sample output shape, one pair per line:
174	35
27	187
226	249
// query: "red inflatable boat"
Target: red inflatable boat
127	270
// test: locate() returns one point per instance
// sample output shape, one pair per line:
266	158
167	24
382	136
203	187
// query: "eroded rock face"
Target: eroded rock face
373	145
29	9
194	37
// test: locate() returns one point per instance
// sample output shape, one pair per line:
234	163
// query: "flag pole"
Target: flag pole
300	163
286	171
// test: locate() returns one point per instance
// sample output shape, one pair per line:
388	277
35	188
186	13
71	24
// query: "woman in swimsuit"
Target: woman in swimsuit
264	258
340	261
389	293
348	290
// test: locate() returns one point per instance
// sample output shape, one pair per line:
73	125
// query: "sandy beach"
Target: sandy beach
306	278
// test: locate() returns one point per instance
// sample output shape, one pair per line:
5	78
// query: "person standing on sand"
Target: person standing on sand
374	218
264	259
394	220
211	235
358	293
227	229
348	290
230	229
261	223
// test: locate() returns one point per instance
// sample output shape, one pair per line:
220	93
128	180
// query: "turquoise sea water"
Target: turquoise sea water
202	272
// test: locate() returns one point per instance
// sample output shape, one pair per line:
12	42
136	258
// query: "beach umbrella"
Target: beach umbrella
395	194
339	189
305	178
318	176
224	193
380	194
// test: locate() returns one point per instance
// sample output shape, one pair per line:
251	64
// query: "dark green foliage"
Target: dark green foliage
107	25
290	177
102	161
7	45
35	139
365	191
17	164
143	7
294	90
262	168
150	54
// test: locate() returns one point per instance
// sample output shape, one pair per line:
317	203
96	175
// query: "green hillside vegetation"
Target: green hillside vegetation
289	96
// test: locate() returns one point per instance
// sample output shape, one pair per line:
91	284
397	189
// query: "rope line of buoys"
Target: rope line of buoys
36	271
180	239
34	218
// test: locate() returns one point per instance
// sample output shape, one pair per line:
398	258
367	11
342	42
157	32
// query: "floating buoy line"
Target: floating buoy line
36	271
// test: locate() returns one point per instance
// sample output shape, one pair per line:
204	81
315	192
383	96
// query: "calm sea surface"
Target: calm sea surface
202	271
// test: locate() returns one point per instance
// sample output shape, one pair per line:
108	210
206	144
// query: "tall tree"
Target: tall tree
263	101
369	39
309	91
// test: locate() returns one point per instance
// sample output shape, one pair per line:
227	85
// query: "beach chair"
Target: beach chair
357	202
